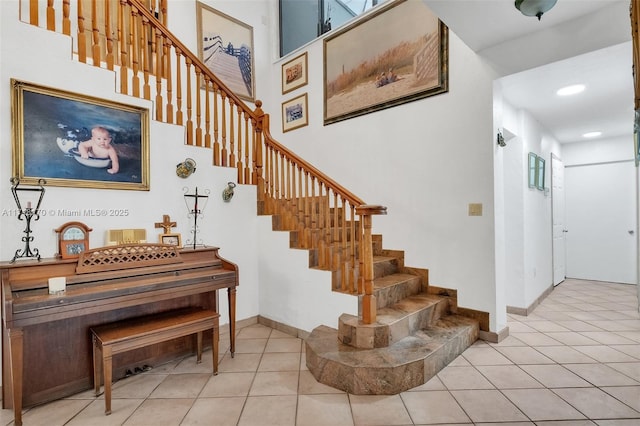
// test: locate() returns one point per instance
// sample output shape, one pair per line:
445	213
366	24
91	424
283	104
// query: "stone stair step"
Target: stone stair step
394	322
390	289
408	363
384	265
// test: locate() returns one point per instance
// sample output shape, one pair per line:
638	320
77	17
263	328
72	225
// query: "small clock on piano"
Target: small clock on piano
73	239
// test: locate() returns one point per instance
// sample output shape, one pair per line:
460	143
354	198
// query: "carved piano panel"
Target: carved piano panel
48	335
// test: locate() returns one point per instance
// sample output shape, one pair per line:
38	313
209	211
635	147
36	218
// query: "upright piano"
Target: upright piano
46	346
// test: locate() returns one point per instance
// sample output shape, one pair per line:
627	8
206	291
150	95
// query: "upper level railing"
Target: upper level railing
130	37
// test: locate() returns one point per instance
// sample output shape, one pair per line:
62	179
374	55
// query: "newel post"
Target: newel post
262	121
366	259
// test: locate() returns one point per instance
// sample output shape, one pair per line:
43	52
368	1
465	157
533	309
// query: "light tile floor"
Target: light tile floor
575	361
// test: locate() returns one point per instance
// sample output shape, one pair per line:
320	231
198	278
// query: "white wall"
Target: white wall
528	251
426	161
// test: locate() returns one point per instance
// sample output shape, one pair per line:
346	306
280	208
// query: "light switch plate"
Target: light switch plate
475	209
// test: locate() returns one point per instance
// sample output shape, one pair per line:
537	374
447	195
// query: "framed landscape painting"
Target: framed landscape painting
74	140
225	46
395	55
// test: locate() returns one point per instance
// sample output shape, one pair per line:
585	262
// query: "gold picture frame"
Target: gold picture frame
51	128
395	55
171	239
222	38
294	113
295	73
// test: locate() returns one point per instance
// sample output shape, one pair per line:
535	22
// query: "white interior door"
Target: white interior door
558	217
601	240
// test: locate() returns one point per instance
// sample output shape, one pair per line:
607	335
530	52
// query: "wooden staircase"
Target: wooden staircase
417	334
418	329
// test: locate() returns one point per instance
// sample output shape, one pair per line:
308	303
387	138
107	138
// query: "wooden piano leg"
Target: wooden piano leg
215	348
108	376
199	349
231	291
97	364
16	342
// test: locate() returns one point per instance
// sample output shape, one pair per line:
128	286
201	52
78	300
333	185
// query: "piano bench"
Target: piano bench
114	338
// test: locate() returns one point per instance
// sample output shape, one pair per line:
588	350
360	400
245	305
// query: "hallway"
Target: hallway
575	361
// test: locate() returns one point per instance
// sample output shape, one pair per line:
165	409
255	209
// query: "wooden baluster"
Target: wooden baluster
167	73
321	215
343	246
247	159
159	59
95	45
283	184
301	206
207	113
122	39
352	252
273	180
189	102
290	198
144	42
51	16
134	48
223	121
307	212
34	18
109	35
232	138
360	277
178	88
239	164
335	232
198	141
326	226
163	12
66	19
276	181
216	140
82	37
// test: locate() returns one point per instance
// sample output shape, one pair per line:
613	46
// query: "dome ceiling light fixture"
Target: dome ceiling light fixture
535	7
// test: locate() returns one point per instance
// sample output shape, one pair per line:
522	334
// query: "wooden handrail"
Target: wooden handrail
327	219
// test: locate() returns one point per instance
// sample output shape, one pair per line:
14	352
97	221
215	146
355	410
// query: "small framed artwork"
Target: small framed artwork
294	73
171	239
78	141
224	40
540	173
533	167
294	113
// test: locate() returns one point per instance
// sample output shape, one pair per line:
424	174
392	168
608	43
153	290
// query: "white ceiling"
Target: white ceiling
578	41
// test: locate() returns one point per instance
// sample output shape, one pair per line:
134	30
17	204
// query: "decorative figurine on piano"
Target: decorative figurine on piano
196	204
30	195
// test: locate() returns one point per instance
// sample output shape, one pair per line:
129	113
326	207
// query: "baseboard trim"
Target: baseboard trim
293	331
493	337
526	311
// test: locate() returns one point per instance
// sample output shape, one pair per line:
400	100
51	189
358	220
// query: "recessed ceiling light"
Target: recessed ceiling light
591	134
570	90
